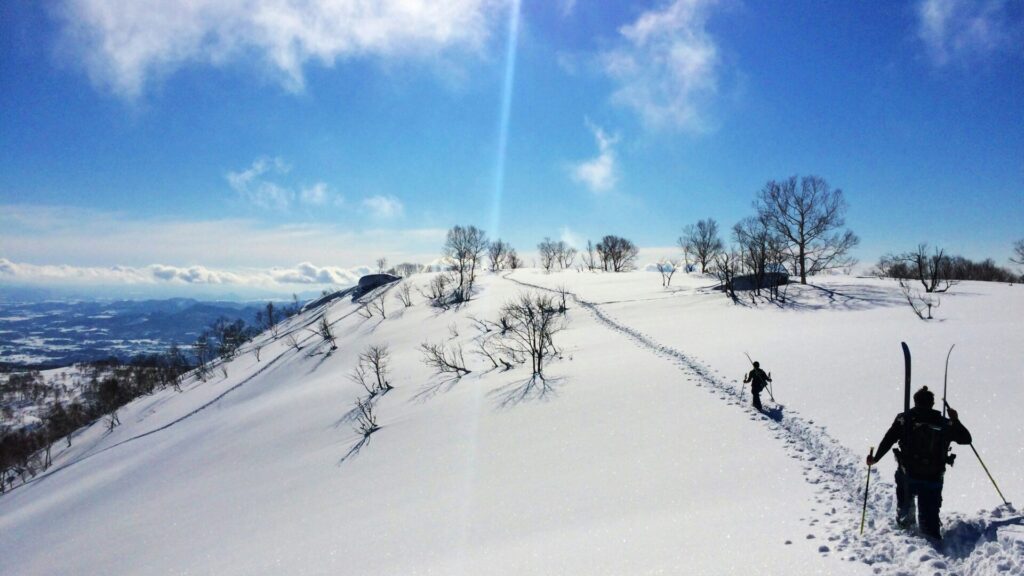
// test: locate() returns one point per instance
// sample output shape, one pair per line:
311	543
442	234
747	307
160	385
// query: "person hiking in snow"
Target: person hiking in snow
922	463
759	381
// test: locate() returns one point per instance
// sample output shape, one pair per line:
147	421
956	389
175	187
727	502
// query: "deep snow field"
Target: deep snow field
641	455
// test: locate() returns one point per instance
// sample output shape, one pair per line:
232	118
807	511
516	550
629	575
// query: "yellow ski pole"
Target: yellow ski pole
982	462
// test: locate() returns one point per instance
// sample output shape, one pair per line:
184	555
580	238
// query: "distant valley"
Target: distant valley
60	333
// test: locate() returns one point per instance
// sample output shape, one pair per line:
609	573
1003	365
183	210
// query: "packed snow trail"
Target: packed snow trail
988	543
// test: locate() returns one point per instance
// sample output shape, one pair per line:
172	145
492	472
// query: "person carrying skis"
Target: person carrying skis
759	381
922	459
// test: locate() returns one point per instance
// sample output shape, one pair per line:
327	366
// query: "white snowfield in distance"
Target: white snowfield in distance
639	455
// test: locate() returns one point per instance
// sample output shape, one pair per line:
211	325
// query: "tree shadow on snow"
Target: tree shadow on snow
355	449
323	357
434	388
533	388
843	297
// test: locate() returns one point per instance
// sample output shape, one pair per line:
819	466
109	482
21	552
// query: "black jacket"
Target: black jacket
913	462
759	378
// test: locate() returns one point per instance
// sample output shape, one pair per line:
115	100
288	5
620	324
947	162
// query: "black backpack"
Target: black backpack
928	445
759	380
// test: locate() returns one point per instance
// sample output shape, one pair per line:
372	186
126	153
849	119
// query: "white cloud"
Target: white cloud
598	174
124	43
256	186
667	66
92	238
194	275
274	279
308	273
318	195
965	31
253	185
571	238
385	207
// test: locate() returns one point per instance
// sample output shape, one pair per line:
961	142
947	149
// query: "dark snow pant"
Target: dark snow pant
929	499
756	393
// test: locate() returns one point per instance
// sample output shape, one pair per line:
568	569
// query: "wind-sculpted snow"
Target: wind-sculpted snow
989	542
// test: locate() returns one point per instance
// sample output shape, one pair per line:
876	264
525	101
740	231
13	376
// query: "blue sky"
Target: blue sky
271	144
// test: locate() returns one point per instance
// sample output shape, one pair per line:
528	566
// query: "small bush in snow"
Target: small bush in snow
444	360
366	420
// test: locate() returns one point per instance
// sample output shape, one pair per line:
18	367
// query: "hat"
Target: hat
924	397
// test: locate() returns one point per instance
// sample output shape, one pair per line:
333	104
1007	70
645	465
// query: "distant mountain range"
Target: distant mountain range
60	333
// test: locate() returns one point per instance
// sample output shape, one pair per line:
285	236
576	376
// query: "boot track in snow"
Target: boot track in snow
988	542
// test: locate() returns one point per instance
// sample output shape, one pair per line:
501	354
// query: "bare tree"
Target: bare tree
437	291
366	420
293	342
617	254
324	329
702	240
497	254
404	294
589	260
727	263
921	304
376	304
382	265
112	421
514	262
406	269
934	271
1018	252
761	253
376	362
548	254
668	267
563	299
532	320
808	217
485	348
444	360
684	245
270	317
361	377
566	255
464	247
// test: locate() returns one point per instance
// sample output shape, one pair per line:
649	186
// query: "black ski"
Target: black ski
906	394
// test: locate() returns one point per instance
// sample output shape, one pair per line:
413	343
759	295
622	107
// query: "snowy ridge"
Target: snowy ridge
259	468
973	545
292	326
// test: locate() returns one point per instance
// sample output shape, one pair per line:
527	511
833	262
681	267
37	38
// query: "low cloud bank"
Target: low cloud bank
278	279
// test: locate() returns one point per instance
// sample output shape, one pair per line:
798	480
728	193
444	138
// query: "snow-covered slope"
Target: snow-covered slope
639	457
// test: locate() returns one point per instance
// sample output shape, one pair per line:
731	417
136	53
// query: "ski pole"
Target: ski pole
864	511
751	363
945	381
982	462
770	395
975	450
